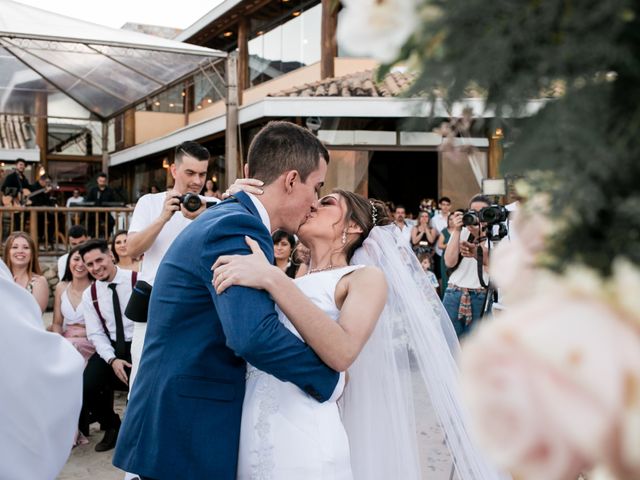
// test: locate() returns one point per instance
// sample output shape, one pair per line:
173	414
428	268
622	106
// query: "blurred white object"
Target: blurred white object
376	28
41	392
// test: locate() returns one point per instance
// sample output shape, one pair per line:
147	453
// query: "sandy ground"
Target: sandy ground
85	463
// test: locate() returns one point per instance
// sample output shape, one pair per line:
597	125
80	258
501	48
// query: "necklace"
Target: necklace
323	269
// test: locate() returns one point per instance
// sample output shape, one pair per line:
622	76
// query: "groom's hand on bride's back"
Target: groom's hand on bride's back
253	270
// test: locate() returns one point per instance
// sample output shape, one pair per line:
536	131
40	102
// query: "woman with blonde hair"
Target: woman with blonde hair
21	256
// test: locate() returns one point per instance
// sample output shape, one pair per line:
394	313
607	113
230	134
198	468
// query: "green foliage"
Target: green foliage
588	137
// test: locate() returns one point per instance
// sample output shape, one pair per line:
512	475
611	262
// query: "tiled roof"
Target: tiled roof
361	84
15	132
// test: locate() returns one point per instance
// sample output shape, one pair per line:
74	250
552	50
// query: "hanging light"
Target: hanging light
165	163
156	103
171	105
227	34
296	13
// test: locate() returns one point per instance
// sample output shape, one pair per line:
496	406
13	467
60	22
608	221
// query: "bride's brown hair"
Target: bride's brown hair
366	213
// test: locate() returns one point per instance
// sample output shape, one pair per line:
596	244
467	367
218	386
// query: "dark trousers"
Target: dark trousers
99	382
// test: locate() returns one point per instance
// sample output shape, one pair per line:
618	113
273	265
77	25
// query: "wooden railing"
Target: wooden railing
49	226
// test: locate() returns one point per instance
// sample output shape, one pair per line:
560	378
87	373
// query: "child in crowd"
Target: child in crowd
425	261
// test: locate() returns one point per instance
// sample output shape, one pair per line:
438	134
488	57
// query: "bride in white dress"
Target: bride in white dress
378	319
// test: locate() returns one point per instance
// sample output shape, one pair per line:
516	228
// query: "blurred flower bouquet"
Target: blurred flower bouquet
553	382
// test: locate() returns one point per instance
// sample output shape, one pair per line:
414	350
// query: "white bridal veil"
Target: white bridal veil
411	350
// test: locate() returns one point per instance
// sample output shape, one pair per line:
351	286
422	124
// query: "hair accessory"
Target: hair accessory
374	213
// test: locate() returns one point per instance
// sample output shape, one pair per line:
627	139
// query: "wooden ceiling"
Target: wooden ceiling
260	13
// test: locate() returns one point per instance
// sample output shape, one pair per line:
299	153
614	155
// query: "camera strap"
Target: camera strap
480	260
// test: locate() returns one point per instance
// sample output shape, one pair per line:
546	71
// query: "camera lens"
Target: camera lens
470	218
191	202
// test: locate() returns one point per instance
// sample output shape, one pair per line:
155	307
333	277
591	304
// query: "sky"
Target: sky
115	13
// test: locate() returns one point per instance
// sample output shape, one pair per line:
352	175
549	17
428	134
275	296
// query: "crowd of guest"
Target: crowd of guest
447	250
97	278
79	317
454	256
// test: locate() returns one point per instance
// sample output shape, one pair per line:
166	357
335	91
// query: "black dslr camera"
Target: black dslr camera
494	216
192	201
491	215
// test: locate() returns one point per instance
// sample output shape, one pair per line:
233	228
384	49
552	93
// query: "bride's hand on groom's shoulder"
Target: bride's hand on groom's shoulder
248	185
253	270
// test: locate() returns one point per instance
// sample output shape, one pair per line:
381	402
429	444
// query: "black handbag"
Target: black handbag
138	305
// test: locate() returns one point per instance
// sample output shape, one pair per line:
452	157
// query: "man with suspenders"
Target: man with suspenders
110	331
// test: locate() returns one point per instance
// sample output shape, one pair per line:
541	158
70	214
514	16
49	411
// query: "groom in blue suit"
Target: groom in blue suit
183	418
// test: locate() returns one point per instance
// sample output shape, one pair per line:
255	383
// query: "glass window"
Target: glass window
291	44
71	136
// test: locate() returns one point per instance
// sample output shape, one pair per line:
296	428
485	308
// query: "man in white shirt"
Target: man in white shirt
439	223
159	218
75	199
110	331
77	236
439	220
400	215
41	380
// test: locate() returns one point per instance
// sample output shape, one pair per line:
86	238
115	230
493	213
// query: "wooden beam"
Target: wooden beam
129	119
42	127
495	153
329	46
105	146
243	57
74	158
231	134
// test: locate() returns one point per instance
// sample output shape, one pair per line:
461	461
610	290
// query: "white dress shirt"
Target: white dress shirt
95	332
264	216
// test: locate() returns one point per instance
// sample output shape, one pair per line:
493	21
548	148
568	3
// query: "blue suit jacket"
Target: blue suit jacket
183	418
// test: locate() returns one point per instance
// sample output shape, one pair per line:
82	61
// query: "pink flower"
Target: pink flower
547	385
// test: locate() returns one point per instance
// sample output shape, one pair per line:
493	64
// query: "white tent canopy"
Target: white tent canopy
103	69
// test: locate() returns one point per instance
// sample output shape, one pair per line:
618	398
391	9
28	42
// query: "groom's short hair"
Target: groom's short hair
283	146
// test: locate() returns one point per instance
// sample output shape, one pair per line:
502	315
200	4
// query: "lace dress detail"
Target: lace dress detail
285	434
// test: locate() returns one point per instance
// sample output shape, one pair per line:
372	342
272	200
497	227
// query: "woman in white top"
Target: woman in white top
68	317
465	296
21	256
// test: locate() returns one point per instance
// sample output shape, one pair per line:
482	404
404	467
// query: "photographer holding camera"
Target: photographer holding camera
466	258
158	219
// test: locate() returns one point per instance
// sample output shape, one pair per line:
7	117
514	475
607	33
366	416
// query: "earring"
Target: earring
344	236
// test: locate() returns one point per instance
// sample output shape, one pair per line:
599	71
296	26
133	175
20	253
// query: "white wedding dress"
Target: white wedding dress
286	434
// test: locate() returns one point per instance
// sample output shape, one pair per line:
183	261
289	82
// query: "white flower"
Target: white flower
376	28
553	387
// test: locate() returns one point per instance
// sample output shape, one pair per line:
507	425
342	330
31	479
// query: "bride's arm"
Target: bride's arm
336	343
